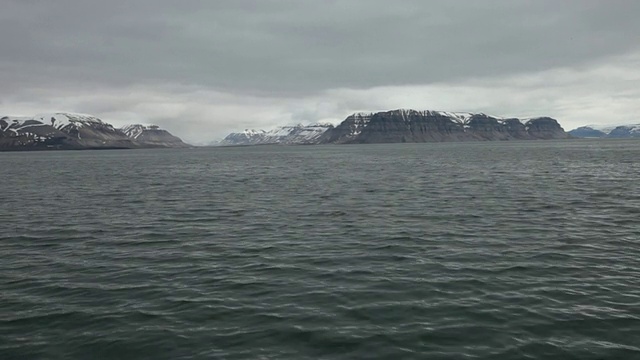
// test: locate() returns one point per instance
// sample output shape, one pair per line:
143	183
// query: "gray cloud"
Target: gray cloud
207	62
305	46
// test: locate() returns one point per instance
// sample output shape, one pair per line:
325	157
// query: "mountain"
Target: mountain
618	131
284	135
625	131
149	135
434	126
16	132
68	131
60	131
587	132
409	126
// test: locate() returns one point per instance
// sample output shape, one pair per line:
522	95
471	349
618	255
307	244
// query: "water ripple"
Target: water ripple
484	251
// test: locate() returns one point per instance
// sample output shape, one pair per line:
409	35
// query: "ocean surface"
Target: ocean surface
488	250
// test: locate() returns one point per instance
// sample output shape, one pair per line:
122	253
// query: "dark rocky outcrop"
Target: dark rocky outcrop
545	128
60	131
435	126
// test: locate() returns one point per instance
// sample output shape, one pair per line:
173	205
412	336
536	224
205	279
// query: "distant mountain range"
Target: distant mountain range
79	131
405	126
287	135
617	132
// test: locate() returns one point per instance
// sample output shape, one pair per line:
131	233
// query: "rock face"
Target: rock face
593	131
285	135
434	126
407	126
67	131
148	135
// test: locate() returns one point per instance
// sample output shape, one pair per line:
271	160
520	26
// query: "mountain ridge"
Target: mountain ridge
71	131
607	131
408	125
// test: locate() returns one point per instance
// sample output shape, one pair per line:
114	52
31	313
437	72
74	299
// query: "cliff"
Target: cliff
435	126
617	131
60	131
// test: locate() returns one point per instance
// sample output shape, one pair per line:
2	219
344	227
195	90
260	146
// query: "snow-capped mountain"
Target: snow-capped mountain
151	135
60	131
66	120
607	131
625	131
76	131
284	135
406	125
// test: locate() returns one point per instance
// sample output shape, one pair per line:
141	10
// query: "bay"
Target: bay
486	250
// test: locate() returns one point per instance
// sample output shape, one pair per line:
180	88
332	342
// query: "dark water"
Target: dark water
525	250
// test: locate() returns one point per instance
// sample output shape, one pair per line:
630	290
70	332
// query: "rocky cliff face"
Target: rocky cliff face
402	126
434	126
406	126
76	131
152	136
284	135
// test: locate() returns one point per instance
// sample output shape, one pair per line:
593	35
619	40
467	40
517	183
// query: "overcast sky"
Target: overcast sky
201	68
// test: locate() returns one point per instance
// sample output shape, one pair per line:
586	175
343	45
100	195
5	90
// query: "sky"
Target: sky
202	69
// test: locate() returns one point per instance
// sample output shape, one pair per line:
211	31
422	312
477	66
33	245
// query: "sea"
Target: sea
475	250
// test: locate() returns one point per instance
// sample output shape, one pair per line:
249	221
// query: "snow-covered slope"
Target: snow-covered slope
406	125
136	130
285	135
65	120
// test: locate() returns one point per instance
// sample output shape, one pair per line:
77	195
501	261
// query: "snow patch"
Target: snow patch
63	120
135	130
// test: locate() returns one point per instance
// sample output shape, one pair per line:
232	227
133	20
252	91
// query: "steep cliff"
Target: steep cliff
26	133
434	126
